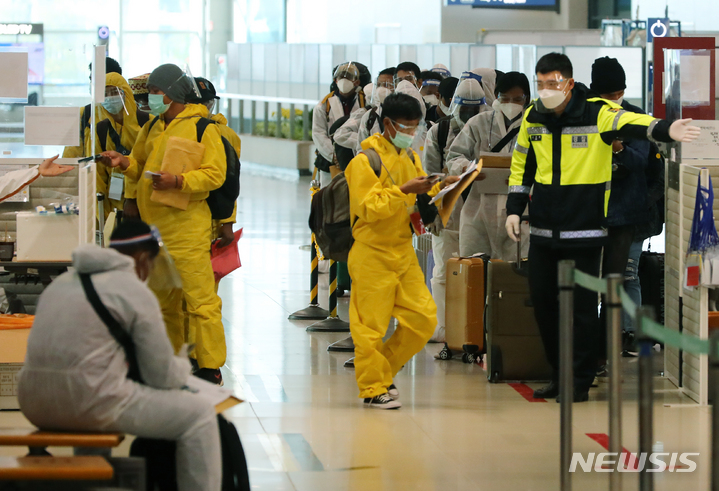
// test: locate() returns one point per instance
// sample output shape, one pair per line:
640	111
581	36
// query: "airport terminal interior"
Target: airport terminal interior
307	419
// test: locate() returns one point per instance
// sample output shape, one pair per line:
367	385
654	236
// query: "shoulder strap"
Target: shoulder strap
507	138
202	124
103	128
152	123
375	161
86	113
445	124
326	102
116	140
120	335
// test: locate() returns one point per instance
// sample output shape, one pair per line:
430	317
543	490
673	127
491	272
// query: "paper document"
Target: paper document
472	167
220	397
45	125
707	145
696	76
13	83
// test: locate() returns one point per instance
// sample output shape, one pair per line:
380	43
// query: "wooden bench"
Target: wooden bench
34	438
91	468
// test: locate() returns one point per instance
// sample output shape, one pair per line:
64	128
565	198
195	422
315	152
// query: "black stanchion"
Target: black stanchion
345	345
313	311
332	323
646	398
714	393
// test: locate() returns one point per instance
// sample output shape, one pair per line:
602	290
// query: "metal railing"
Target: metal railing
648	331
236	107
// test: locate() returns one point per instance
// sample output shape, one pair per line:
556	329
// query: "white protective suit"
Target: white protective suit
420	135
75	372
446	244
483	216
322	121
348	135
13	182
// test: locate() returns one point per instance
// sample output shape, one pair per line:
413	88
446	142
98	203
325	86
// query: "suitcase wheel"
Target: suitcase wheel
445	354
340	292
469	358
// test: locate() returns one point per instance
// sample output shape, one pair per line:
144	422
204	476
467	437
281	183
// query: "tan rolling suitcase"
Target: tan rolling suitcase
465	300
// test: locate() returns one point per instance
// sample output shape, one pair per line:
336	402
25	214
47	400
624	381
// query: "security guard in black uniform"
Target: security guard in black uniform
564	153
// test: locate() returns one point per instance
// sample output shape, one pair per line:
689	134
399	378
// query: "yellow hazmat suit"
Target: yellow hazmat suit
187	234
127	131
386	278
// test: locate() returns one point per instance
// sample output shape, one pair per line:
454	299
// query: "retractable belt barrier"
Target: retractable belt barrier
648	331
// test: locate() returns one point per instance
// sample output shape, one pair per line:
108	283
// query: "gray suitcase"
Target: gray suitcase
514	346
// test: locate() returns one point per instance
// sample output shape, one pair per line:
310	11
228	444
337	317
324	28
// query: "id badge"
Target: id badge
416	220
117	185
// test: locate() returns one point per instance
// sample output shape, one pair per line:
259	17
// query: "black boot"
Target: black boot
547	392
580	395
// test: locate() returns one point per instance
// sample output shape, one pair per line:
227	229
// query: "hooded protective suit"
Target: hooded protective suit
127	131
420	135
446	244
387	279
75	372
483	215
186	233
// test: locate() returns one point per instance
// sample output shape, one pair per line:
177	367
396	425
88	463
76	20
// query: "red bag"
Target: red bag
226	259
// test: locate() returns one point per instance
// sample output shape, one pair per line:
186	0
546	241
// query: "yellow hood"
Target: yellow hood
130	116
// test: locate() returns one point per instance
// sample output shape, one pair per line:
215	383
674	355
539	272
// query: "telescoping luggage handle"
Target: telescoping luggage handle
522	271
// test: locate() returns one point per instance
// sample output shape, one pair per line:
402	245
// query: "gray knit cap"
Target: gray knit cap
172	80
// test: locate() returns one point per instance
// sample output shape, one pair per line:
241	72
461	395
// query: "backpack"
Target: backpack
374	117
161	468
104	129
222	200
343	155
330	213
322	163
445	125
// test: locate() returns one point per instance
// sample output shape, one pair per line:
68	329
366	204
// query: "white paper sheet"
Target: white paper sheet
46	125
707	145
13	82
472	167
99	65
695	80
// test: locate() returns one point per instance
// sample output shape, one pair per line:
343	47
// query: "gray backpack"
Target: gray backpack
330	213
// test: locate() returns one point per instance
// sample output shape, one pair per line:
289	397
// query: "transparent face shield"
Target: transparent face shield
380	91
468	98
406	76
346	77
114	100
552	91
193	91
407	87
164	275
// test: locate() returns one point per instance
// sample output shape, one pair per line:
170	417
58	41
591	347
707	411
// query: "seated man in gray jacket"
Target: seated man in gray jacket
76	373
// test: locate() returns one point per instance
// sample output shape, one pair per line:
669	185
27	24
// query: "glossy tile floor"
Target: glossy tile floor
304	428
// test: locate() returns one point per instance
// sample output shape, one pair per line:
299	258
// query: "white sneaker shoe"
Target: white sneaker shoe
439	335
382	401
393	392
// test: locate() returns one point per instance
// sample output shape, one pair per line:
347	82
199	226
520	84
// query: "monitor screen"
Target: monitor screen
514	4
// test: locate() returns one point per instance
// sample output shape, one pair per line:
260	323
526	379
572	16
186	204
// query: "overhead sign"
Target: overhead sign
17	29
657	28
527	4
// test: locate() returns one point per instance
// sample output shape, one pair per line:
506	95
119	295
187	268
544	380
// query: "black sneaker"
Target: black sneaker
580	395
547	392
195	365
629	345
212	375
393	392
382	401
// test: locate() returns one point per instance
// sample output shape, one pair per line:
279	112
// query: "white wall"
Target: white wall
356	22
460	24
695	15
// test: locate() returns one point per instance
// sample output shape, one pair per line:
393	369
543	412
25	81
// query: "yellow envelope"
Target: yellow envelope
181	156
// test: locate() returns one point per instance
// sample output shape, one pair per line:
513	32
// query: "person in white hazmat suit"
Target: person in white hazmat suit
371	121
75	375
482	219
345	98
445	243
347	135
14	181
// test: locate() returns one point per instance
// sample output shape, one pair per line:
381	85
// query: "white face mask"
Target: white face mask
345	86
552	98
431	99
444	108
509	109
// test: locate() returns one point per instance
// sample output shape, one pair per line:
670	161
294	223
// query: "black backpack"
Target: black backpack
343	155
222	200
374	117
104	129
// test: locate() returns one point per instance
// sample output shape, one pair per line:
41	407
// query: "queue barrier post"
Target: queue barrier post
332	323
614	347
646	397
714	394
566	368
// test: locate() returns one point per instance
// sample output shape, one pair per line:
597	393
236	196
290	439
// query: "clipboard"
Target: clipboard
450	199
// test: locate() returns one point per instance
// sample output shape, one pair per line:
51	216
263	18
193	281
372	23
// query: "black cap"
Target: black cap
608	76
207	91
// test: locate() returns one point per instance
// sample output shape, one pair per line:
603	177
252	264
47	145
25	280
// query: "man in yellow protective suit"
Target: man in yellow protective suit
387	279
118	131
186	233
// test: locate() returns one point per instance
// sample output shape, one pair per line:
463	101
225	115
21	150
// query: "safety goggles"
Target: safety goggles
549	84
386	85
513	100
409	78
410	130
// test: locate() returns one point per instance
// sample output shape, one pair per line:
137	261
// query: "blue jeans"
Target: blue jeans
631	282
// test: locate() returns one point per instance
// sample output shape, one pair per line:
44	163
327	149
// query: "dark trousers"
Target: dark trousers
544	290
614	261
